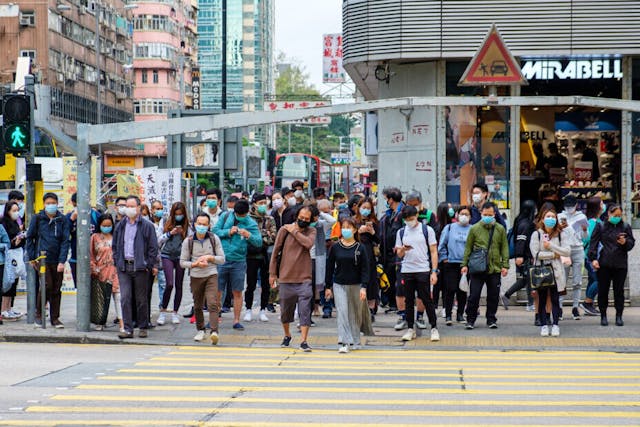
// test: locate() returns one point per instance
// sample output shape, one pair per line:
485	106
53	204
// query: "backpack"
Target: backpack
425	232
511	239
255	250
212	239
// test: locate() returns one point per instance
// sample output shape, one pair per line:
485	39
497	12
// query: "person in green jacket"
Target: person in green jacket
498	264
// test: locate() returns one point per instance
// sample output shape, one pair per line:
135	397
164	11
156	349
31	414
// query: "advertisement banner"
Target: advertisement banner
195	87
70	181
295	105
159	184
332	70
127	185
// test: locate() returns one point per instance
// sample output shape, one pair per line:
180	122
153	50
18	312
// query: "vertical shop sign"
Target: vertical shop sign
332	70
70	180
636	168
195	87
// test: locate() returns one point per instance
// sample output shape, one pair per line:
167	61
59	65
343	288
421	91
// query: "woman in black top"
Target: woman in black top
16	236
346	280
368	228
611	261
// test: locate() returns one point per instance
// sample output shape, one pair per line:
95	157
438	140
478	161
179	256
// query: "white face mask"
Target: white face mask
292	201
298	194
477	198
15	215
277	203
571	210
463	219
131	212
412	223
122	210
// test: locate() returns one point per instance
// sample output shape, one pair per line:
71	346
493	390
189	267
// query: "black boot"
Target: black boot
604	321
537	322
619	321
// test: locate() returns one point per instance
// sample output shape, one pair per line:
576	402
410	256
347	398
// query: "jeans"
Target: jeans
170	266
555	303
420	283
522	281
257	267
577	261
592	281
607	275
450	284
476	284
231	277
162	283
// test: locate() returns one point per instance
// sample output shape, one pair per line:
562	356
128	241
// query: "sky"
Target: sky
300	25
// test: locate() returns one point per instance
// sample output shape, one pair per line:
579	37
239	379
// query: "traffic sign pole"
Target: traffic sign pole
29	89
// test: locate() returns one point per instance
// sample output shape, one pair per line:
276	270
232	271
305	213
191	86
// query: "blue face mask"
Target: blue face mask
51	209
346	233
550	222
106	230
179	218
343	206
313	224
21	209
488	220
262	209
365	212
212	204
615	220
201	229
604	207
451	213
240	218
159	213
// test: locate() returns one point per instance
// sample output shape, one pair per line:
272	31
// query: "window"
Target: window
28	18
155	76
28	53
145	78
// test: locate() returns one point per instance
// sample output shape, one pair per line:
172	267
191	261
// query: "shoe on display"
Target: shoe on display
343	348
402	324
421	324
162	318
214	338
435	335
263	316
199	336
555	331
175	319
247	316
409	335
544	331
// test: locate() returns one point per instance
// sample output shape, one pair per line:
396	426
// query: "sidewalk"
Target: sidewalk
516	331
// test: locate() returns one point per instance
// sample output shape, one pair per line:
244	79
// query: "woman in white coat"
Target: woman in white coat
548	244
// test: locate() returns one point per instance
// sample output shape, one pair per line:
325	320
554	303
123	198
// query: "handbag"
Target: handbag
541	275
479	258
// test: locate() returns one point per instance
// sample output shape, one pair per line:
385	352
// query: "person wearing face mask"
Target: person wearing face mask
479	195
17	197
176	230
595	209
390	223
347	277
491	237
212	205
200	253
102	268
135	254
611	261
50	231
72	217
298	192
368	228
17	239
145	212
281	212
548	243
577	224
237	230
450	252
290	198
120	208
158	220
290	269
258	258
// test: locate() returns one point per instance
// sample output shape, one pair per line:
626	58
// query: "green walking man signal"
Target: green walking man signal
18	137
16	128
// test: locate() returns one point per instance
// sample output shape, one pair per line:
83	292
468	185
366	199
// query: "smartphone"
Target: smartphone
408	247
369	223
622	235
546	237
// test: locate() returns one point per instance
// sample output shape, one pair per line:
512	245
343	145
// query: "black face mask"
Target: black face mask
303	224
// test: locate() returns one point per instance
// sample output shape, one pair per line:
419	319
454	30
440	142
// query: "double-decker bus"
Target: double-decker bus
312	170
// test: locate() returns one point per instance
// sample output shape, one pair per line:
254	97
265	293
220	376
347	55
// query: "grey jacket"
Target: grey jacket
192	249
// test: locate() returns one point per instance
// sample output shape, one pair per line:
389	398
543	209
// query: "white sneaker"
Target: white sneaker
555	331
531	307
247	316
544	331
16	313
435	335
263	316
402	324
214	338
421	324
199	336
409	335
444	313
161	319
175	319
343	348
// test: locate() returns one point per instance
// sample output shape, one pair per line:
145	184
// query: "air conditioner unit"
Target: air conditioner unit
121	96
105	49
60	77
90	43
119	48
25	21
82	10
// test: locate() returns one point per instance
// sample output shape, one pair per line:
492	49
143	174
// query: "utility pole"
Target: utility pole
83	293
29	89
97	46
289	138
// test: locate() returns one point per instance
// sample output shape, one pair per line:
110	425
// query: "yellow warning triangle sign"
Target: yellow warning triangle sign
493	64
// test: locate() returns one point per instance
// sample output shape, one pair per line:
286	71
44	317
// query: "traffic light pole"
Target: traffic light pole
83	293
29	88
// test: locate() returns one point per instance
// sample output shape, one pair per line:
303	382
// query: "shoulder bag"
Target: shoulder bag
541	275
479	258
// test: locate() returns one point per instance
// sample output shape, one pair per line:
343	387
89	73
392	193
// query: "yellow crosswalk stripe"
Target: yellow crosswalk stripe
189	423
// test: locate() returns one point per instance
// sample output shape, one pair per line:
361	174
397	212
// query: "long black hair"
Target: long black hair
527	212
442	215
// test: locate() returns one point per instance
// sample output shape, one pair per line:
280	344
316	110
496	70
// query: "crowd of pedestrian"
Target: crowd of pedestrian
331	255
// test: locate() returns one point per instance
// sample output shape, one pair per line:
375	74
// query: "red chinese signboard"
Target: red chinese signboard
332	70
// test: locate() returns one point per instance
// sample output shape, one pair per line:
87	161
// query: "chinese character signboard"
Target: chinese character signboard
70	180
159	184
296	105
332	70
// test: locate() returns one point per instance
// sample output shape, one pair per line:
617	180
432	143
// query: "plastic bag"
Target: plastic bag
14	268
464	284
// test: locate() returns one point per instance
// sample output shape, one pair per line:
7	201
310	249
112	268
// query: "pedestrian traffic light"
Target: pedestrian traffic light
16	129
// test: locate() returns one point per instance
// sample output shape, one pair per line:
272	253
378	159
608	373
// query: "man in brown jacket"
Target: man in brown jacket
290	268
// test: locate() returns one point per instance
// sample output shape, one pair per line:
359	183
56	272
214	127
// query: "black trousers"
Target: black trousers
607	275
476	284
556	310
255	267
420	283
134	283
450	285
389	296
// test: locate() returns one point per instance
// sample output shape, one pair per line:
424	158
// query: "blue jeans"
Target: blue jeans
592	282
231	275
162	282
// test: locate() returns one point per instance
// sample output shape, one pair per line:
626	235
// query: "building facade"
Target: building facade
59	37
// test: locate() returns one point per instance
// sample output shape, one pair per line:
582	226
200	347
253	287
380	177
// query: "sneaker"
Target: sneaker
326	315
199	336
409	335
125	335
263	316
214	338
354	346
38	322
604	321
531	307
402	324
343	348
99	328
460	318
271	308
493	325
619	321
175	319
143	333
469	326
225	310
589	309
575	313
247	316
189	314
286	341
305	347
561	316
57	324
238	326
435	335
10	316
312	323
15	313
544	331
443	313
449	321
162	318
555	331
421	324
505	301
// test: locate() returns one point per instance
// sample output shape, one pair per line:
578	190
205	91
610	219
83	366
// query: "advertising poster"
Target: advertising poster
70	181
332	70
461	151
